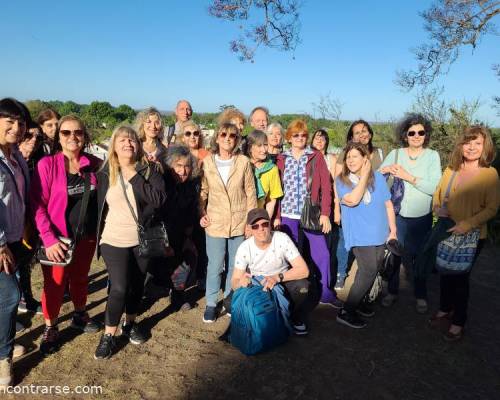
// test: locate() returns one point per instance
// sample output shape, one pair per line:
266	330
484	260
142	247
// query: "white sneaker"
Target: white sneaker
389	300
5	373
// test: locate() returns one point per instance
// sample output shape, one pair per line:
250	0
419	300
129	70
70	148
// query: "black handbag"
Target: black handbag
309	218
153	240
41	253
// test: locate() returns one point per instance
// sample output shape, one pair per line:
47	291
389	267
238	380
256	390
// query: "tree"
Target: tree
452	25
69	107
328	107
124	113
36	107
273	23
96	114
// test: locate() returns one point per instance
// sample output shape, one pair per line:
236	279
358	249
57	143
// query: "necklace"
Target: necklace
415	157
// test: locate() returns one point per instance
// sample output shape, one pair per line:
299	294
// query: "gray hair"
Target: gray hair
174	152
274	125
261	108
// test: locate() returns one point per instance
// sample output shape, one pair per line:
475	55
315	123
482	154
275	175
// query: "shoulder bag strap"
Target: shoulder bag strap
448	189
311	172
122	182
83	208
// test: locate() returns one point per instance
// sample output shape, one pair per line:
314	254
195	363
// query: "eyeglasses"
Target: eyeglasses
28	136
230	135
67	132
262	225
302	136
413	133
195	133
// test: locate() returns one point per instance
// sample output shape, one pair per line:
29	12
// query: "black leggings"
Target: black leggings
127	272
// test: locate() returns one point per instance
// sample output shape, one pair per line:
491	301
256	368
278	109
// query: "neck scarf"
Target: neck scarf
367	197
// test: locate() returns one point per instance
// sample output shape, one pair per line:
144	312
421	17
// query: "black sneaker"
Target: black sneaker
210	315
31	306
50	340
350	319
84	323
106	347
365	310
300	329
134	333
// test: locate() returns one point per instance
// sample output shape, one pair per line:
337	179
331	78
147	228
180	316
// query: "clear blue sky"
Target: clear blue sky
155	52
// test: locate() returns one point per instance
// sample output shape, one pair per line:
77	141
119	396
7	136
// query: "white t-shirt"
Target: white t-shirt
271	261
224	167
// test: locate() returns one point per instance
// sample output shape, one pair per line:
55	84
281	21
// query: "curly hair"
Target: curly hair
407	122
229	114
141	119
180	151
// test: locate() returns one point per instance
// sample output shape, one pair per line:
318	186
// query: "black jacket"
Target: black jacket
149	191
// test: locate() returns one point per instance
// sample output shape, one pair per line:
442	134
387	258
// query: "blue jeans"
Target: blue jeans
342	255
9	299
220	250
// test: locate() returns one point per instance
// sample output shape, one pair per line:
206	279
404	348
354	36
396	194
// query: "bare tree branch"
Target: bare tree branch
271	23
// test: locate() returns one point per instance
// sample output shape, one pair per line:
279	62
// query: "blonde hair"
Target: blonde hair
141	119
186	124
114	166
229	114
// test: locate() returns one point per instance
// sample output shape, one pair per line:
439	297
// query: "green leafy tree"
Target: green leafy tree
36	107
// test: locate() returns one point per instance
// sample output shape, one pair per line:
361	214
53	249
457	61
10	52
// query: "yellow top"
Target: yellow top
473	202
271	183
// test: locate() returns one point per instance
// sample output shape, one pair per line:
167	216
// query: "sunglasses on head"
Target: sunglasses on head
67	132
195	133
230	135
413	133
297	135
261	225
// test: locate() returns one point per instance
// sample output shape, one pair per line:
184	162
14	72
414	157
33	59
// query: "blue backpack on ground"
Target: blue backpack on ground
257	323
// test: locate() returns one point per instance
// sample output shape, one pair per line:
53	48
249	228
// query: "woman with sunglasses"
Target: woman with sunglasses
227	195
56	200
149	125
191	137
297	166
420	169
48	120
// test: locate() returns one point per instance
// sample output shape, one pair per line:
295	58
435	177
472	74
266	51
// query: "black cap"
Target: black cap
256	214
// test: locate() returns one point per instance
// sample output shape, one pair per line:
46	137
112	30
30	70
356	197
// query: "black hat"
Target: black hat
256	214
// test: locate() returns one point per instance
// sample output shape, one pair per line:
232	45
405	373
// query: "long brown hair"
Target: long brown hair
472	133
344	175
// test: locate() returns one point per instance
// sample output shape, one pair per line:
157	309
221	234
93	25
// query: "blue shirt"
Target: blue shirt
365	224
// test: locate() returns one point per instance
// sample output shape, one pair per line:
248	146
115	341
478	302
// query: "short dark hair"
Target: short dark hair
350	133
11	108
408	121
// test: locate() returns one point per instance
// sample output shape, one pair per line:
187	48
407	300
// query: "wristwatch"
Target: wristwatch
280	275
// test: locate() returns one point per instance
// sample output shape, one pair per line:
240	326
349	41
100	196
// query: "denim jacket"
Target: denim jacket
12	207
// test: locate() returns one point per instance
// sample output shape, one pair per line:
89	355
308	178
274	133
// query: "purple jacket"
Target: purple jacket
49	194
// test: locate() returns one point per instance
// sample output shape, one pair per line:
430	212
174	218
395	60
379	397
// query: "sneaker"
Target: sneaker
335	303
50	340
84	323
105	347
339	285
441	323
389	300
5	373
365	310
421	306
19	327
134	333
185	307
32	306
210	314
350	319
225	312
18	351
300	329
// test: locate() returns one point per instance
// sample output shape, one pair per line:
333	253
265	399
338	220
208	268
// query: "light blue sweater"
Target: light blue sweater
417	200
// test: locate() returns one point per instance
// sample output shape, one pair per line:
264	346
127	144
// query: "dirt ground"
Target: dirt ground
396	357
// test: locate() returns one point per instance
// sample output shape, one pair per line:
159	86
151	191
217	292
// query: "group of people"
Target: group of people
236	208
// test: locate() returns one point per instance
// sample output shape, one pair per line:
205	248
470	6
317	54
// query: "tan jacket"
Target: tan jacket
227	206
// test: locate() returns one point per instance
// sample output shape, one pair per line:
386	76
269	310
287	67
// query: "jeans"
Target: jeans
369	259
410	234
342	255
319	254
9	300
220	249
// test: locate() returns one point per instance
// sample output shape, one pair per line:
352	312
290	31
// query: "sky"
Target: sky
153	53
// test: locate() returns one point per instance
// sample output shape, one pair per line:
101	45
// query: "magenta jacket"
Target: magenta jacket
321	188
49	194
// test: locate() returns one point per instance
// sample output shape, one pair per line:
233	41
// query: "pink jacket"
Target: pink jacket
49	194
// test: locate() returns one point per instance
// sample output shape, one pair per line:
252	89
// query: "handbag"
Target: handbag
396	188
455	254
41	253
153	240
309	218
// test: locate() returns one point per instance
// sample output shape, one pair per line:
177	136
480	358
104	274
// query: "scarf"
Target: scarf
367	197
268	165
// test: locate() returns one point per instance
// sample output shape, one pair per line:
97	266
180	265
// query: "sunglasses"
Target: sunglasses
413	133
67	132
230	135
195	133
303	136
28	136
262	225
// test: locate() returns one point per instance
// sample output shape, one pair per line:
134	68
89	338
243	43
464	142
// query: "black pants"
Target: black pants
454	294
297	292
369	259
127	272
